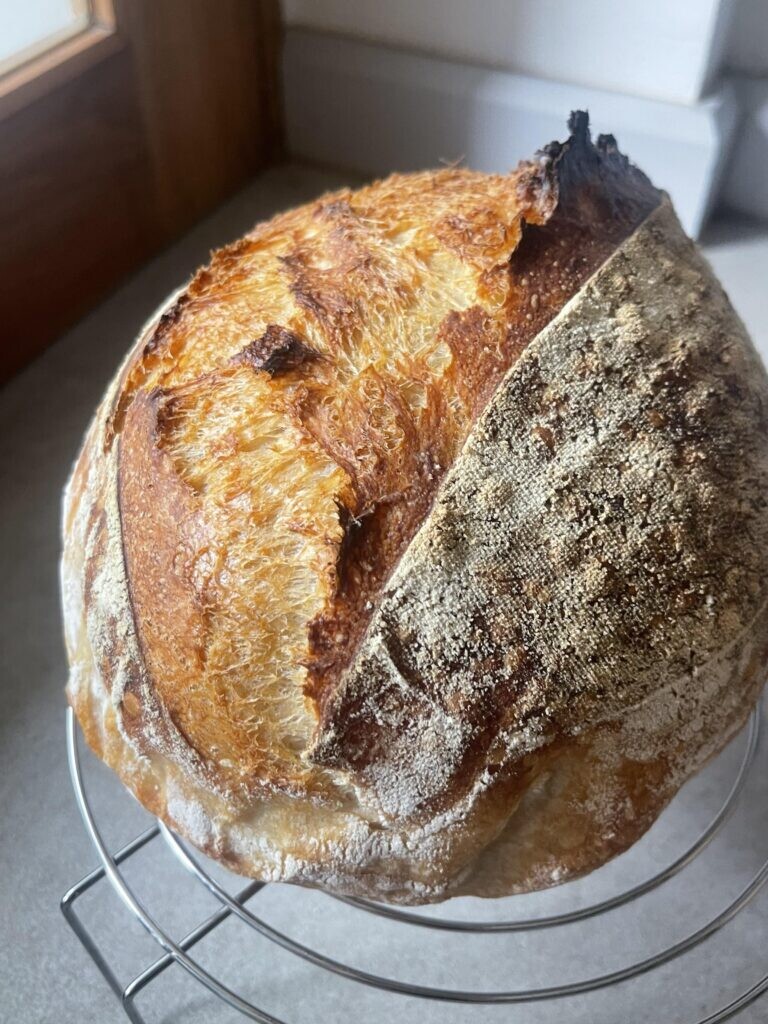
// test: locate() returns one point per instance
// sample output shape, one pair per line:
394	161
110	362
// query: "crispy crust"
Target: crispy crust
396	649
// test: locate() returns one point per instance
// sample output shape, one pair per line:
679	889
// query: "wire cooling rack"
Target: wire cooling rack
233	906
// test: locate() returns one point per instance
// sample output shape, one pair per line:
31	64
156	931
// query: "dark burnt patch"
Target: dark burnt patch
277	351
597	198
595	182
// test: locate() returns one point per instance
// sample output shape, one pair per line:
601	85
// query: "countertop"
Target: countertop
46	976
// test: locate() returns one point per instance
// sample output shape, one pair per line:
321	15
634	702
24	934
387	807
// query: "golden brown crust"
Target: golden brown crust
319	671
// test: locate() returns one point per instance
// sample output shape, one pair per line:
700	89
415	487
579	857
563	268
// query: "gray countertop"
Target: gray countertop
45	975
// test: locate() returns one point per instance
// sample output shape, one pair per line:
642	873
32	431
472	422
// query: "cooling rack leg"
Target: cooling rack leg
69	911
127	995
133	988
90	946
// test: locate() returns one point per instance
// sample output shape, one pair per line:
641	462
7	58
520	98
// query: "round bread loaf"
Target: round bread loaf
420	546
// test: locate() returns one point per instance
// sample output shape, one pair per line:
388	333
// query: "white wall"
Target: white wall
663	49
747	49
609	55
746	59
375	109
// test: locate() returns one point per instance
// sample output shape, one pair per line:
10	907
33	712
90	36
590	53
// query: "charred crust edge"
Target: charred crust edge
582	180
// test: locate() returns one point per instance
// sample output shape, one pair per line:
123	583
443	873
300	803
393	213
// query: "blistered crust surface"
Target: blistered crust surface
590	595
279	434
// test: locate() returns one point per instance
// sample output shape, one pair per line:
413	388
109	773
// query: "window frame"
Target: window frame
57	64
112	143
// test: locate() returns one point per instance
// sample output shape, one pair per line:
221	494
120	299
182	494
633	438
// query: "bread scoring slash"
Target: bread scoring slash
420	546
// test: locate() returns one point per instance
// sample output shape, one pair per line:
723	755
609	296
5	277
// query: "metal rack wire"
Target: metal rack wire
177	951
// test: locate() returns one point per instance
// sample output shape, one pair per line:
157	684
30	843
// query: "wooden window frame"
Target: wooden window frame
115	140
61	62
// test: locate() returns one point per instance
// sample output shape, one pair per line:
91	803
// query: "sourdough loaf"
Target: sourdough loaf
420	545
